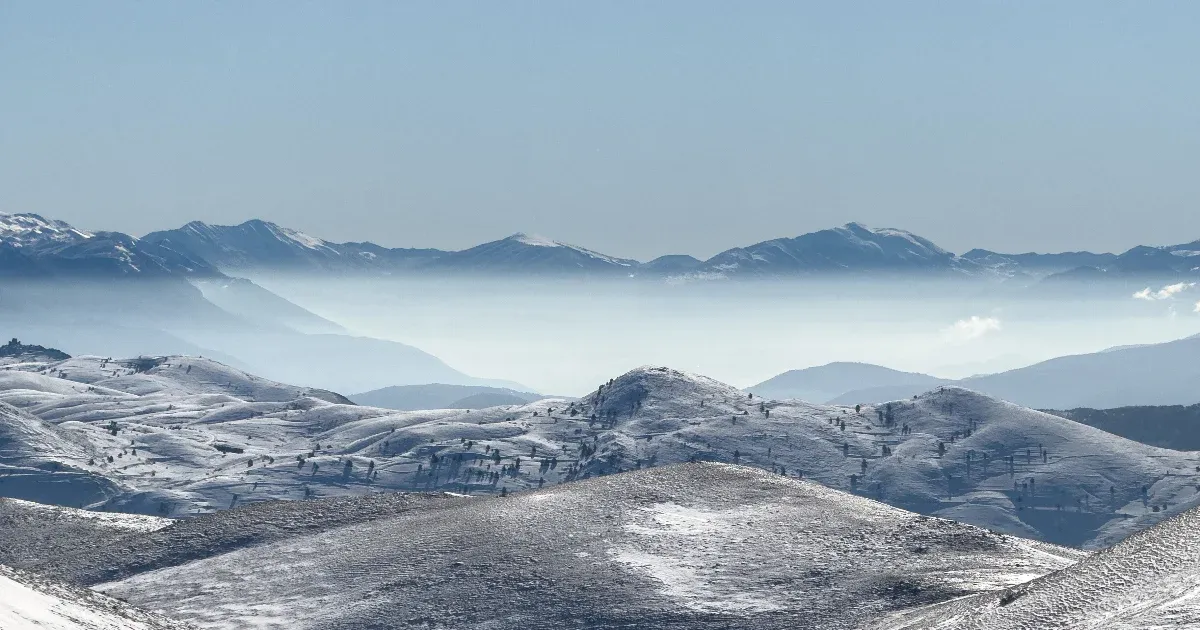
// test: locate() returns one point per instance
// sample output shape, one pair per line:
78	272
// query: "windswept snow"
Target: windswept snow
32	603
699	546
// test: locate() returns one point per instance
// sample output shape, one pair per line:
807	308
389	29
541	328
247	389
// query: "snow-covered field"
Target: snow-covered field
188	435
690	546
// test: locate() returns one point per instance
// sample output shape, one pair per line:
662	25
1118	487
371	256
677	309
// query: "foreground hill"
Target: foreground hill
28	602
675	547
1146	581
158	443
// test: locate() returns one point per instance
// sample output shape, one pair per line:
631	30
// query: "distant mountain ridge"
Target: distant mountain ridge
1129	376
31	245
258	243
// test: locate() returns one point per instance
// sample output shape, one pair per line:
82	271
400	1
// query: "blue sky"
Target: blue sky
634	128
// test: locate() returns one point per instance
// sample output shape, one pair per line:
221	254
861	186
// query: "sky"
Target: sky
633	128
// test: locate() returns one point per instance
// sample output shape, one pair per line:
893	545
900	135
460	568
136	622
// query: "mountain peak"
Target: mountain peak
535	240
27	229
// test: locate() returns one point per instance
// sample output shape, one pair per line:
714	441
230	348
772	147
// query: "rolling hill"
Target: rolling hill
171	442
673	547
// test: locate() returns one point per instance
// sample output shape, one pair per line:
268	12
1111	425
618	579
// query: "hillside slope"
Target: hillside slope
178	450
675	547
1150	580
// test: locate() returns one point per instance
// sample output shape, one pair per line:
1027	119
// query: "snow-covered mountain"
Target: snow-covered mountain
850	248
533	254
31	246
207	438
258	244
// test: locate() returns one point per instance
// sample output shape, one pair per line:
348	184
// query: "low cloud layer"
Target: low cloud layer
1169	291
973	327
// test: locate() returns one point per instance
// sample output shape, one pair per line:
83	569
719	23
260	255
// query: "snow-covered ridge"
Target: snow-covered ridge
38	247
28	230
541	241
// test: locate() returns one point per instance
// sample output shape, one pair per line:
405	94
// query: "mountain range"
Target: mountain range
31	245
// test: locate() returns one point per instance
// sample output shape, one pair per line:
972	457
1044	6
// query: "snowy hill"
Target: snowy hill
31	246
1146	581
158	376
259	244
183	442
28	602
827	382
675	547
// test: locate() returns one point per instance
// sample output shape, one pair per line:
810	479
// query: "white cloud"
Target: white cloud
1197	309
1168	291
973	327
